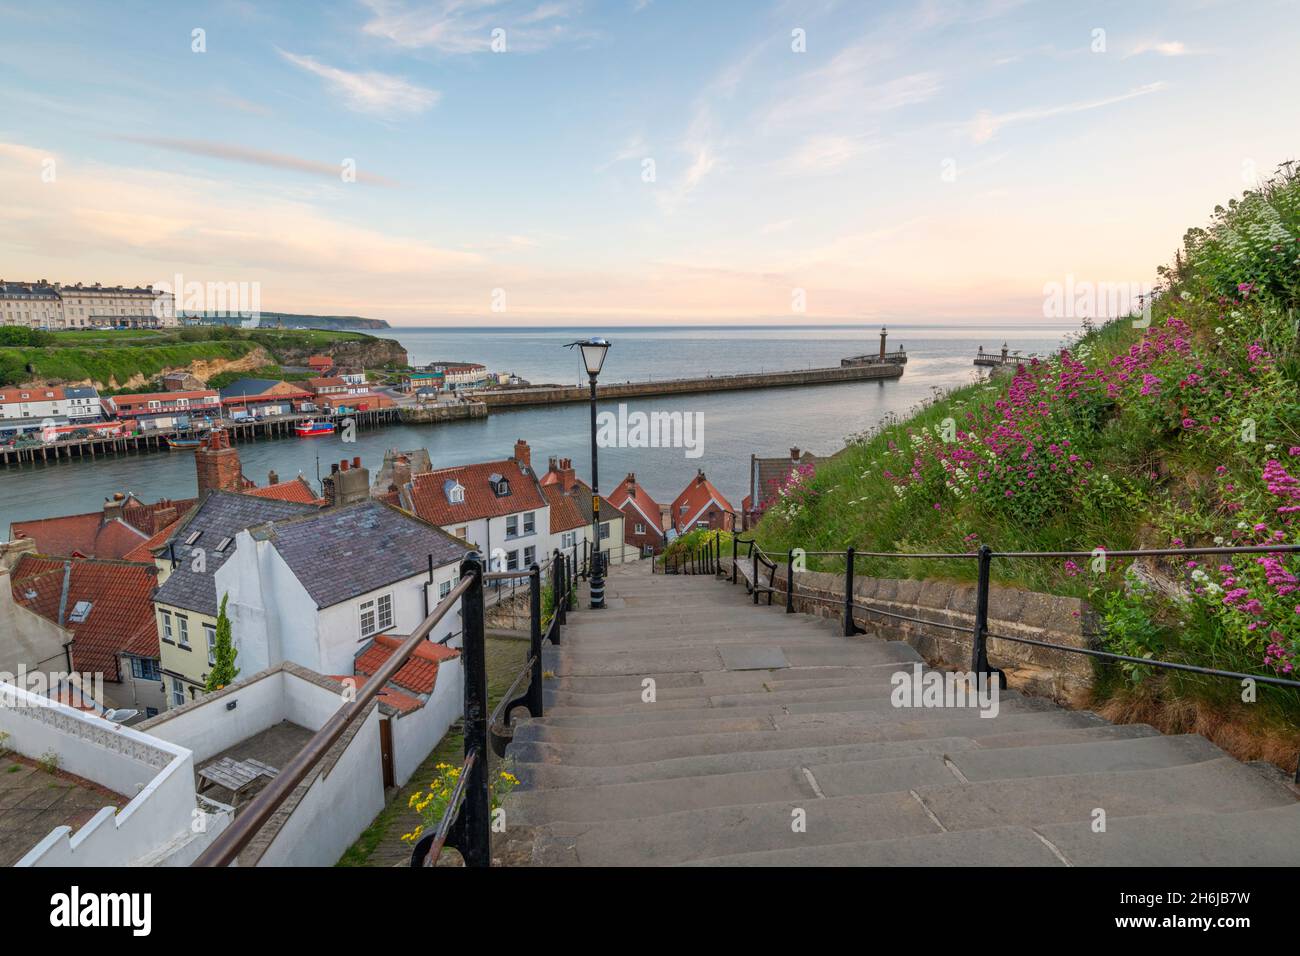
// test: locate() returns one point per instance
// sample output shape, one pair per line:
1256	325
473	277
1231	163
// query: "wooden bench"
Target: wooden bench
751	569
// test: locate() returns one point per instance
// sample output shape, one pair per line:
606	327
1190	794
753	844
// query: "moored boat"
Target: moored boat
312	427
183	444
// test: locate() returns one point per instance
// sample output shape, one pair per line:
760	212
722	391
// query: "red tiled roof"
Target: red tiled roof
696	497
295	489
164	397
92	535
118	592
418	674
565	514
631	497
325	382
144	552
87	535
34	393
429	498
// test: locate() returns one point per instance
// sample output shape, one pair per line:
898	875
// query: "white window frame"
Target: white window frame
182	630
444	588
384	609
530	522
168	633
512	526
640	528
210	632
530	556
178	692
368	618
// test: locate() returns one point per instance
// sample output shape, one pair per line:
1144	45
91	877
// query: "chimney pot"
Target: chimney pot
272	478
794	453
343	465
356	461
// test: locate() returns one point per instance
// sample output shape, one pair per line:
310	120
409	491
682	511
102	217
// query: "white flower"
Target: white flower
1218	330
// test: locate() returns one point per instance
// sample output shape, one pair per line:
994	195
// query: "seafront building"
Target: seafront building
52	306
702	505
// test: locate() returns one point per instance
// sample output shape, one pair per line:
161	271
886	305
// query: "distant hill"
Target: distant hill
292	320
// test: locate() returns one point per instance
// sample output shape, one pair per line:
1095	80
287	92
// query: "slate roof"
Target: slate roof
222	514
261	387
429	499
120	616
340	553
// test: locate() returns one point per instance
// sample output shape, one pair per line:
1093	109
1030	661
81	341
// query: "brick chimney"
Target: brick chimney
272	478
163	515
346	483
794	453
401	473
217	464
630	481
113	506
523	454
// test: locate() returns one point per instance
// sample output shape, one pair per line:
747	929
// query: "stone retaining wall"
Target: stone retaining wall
1066	678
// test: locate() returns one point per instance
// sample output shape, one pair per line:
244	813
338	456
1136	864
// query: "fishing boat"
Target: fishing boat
183	444
312	427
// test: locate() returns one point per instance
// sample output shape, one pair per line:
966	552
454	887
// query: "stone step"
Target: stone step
713	682
838	699
1251	838
624	800
834	728
554	776
997	846
647	748
1217	786
574	662
880	680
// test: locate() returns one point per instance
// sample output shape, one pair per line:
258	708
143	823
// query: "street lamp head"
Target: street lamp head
593	354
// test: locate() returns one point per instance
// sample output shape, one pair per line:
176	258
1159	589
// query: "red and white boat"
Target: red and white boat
312	427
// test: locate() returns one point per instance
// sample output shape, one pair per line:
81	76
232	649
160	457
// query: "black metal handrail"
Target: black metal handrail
563	599
981	634
230	842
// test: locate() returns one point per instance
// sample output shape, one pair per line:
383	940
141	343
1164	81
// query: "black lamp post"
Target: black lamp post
593	357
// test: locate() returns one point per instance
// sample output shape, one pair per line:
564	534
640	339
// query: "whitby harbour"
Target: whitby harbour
736	423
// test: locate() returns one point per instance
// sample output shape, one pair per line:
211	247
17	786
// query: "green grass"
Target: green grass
110	359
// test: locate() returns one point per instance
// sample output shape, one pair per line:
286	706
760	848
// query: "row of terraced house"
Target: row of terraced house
55	411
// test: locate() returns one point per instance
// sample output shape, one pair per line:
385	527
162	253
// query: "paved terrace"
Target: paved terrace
34	801
760	714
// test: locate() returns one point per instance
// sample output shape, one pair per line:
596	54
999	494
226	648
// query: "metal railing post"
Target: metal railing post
559	600
979	651
850	626
789	582
753	581
472	833
735	556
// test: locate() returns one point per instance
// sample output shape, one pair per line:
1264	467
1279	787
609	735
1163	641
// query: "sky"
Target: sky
519	162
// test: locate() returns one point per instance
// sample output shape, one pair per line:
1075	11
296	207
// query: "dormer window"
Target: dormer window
500	486
454	491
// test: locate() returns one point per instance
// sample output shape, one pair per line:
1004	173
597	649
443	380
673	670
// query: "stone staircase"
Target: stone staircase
762	719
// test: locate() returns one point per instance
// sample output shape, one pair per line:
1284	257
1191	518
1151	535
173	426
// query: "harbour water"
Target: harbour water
735	424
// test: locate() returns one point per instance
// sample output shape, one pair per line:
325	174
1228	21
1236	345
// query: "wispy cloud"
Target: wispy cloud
1161	47
987	124
465	26
255	157
371	92
703	159
822	154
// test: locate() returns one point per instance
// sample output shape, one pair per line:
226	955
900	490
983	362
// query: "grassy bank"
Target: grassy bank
109	357
1181	432
110	365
